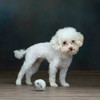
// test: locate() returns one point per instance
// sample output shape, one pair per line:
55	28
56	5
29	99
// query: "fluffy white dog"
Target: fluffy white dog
59	53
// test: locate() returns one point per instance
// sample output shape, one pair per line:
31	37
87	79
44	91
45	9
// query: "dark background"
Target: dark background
26	22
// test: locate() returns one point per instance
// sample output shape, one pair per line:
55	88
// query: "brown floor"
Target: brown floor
83	86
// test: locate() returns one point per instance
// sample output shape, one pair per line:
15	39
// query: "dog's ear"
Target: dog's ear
55	42
80	39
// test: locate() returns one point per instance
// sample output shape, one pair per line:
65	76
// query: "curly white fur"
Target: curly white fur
59	52
19	54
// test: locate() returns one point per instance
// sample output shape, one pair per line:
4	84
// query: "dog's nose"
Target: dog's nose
71	48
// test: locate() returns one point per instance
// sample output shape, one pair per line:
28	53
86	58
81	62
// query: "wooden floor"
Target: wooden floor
83	86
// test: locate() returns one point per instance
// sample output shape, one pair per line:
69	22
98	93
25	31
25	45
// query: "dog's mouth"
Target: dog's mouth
71	52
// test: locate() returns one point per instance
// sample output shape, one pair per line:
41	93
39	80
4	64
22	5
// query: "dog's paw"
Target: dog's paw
18	82
29	82
53	85
65	84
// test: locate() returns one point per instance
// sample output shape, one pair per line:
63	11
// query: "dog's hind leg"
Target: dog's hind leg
26	65
32	70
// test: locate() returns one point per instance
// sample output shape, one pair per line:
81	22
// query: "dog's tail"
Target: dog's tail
19	53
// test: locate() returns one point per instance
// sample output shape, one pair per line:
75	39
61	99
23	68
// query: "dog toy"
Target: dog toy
39	84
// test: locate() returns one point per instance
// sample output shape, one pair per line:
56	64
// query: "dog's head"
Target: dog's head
67	41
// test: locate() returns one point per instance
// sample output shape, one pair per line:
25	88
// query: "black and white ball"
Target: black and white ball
39	84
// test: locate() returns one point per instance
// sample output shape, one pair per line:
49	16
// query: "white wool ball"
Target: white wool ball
39	84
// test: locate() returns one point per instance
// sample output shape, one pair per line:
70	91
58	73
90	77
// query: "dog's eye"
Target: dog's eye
64	42
73	41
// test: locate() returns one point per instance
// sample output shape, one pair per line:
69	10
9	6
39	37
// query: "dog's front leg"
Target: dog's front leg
52	74
62	77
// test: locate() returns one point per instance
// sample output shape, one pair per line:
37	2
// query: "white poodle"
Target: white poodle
59	53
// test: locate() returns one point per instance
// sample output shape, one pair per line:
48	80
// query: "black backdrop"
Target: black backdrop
26	22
